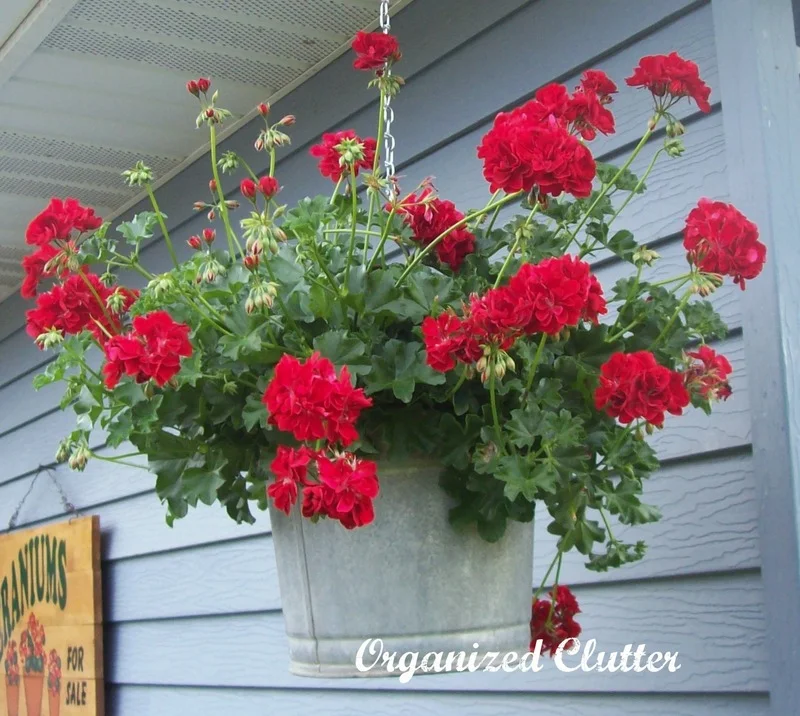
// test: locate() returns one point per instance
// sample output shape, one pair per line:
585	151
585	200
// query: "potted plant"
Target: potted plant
54	683
34	657
402	382
11	665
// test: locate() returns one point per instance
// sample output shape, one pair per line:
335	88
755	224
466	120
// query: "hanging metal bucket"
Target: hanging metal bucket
408	579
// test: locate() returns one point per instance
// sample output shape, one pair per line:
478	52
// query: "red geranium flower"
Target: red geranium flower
554	622
152	350
290	468
720	239
429	217
635	385
447	341
354	484
599	83
34	266
331	160
708	376
310	401
374	49
523	151
268	186
671	76
59	220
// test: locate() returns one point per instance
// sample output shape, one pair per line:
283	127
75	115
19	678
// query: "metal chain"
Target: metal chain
67	505
388	112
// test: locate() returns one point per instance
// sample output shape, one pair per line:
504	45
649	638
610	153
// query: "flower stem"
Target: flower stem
384	237
233	242
469	217
543	584
495	416
520	233
354	229
103	307
606	187
162	224
674	318
272	161
535	365
336	190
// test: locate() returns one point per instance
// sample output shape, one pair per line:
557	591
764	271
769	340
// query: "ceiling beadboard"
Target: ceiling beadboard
89	87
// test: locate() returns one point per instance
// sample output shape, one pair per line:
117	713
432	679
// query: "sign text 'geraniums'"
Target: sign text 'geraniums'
296	348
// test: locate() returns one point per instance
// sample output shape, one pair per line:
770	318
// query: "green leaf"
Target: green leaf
623	244
342	348
398	367
254	413
140	227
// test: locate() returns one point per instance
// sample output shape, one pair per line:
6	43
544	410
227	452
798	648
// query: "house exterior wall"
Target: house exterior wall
193	613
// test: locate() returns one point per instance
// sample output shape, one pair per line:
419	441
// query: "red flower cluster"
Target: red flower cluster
267	185
634	385
554	622
79	304
31	643
11	664
52	231
720	239
344	491
429	217
374	49
331	159
708	375
534	145
541	298
670	75
310	401
54	673
151	350
195	87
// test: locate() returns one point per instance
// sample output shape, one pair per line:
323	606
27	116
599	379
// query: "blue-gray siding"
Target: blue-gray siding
193	613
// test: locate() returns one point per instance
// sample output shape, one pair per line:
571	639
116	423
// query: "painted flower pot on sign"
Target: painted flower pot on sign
34	690
54	702
12	698
407	578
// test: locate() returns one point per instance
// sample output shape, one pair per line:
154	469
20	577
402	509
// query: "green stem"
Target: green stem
495	215
495	415
460	382
384	237
367	232
233	242
281	303
686	297
379	139
608	525
543	584
553	591
162	224
118	462
272	161
535	365
683	277
353	231
469	217
112	323
520	234
336	190
622	332
606	187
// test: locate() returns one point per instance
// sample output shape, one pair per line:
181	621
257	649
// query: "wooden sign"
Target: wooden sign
51	621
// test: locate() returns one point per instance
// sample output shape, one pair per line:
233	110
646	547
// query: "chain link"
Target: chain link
388	112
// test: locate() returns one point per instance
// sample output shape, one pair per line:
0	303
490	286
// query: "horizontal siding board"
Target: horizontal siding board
716	625
123	700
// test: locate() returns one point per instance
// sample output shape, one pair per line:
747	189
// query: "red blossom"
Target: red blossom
708	375
74	306
151	350
530	148
59	220
599	83
429	217
203	84
635	385
447	341
720	239
34	266
310	401
553	622
354	484
290	468
248	188
268	186
374	49
330	157
670	75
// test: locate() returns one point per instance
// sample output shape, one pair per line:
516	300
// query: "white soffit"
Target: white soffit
89	87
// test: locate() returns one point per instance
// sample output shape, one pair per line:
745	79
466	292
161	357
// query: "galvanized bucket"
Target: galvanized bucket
408	579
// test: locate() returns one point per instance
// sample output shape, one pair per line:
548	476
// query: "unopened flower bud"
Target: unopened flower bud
210	275
49	339
209	235
288	120
645	256
138	175
651	123
212	215
500	369
675	129
195	242
268	186
79	457
200	205
232	204
210	113
279	233
229	162
63	451
649	428
230	388
162	285
273	246
193	88
259	145
482	364
203	84
248	189
212	185
510	365
674	147
117	301
251	262
263	108
249	305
